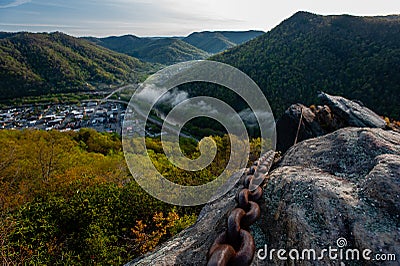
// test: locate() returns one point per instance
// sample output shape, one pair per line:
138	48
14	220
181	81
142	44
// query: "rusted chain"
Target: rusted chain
235	246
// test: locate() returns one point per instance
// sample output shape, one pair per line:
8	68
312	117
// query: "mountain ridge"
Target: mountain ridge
171	50
357	57
218	41
167	50
33	64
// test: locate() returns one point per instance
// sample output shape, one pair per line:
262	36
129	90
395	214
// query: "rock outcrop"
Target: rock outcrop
342	185
299	122
353	113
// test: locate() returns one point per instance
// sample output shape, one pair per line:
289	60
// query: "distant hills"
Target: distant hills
34	64
170	50
356	57
155	50
37	64
218	41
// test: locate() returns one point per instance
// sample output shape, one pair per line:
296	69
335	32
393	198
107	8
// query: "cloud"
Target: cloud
150	93
250	120
36	25
15	3
174	97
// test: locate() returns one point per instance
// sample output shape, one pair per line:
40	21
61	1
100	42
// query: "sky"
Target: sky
169	17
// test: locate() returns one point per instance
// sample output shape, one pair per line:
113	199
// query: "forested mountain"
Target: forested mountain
218	41
356	57
37	64
155	50
171	50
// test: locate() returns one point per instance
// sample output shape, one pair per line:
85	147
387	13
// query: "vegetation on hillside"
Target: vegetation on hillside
38	64
211	42
69	199
165	51
356	57
218	41
171	50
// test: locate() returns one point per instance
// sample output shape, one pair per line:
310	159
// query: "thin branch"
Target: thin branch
298	128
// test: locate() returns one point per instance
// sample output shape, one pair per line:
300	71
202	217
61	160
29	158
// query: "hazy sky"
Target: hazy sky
169	17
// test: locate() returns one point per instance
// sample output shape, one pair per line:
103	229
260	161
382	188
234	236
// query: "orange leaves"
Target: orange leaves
146	241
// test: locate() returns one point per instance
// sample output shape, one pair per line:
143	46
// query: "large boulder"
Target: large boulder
342	185
299	122
353	113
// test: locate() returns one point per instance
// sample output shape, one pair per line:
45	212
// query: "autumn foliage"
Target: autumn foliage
69	199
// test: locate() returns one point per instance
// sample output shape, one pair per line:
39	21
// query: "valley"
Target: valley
69	196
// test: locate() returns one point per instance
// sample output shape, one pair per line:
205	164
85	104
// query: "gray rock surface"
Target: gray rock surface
352	112
344	184
337	112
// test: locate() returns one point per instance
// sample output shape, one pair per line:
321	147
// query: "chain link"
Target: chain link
235	246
